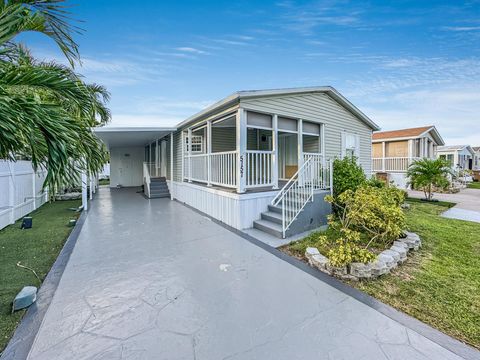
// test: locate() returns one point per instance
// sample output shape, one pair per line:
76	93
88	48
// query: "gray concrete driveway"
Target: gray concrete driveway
156	280
467	200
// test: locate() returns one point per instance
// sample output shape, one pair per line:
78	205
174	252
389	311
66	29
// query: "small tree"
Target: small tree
426	174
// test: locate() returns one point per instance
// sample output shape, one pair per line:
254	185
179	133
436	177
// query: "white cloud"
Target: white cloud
454	111
191	50
462	28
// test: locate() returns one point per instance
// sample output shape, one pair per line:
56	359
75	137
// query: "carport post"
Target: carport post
84	191
91	186
171	166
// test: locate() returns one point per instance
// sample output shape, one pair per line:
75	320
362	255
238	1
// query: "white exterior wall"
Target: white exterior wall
126	166
20	190
236	210
476	161
320	108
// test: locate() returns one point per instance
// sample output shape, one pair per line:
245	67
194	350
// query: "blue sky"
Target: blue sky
403	63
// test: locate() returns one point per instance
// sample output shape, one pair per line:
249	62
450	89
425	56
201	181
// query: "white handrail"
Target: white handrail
299	190
146	179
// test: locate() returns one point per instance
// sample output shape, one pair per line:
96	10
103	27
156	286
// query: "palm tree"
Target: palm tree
49	17
46	110
427	174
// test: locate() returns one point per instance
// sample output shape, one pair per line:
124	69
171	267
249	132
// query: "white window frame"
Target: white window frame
349	146
197	144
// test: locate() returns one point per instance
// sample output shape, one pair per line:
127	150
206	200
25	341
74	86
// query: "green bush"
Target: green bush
347	175
369	210
374	182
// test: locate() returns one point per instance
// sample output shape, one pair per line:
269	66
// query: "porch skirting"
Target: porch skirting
236	210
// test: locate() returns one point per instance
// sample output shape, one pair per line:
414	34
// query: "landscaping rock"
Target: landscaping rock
361	270
310	251
411	243
378	267
349	277
400	243
319	261
412	239
338	271
69	196
388	260
402	252
405	206
395	255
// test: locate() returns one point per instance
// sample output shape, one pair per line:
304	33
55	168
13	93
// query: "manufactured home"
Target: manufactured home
256	159
394	151
460	156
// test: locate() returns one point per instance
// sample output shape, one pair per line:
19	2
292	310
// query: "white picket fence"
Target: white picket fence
20	190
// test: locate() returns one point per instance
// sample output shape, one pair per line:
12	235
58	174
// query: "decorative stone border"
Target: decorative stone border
385	261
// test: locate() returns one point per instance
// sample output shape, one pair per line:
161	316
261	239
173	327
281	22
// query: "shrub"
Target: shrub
374	182
347	249
347	175
374	211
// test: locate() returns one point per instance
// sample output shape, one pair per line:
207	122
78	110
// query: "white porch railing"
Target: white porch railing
146	177
398	164
259	168
300	188
224	169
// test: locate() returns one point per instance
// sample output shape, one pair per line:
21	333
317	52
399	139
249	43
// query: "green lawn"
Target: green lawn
36	248
104	182
474	185
440	283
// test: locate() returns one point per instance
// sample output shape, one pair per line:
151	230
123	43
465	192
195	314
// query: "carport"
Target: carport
127	147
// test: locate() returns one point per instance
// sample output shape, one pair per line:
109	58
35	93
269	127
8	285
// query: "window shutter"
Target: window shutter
343	144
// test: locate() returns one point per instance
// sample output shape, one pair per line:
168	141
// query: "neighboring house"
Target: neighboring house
459	156
255	158
394	151
476	158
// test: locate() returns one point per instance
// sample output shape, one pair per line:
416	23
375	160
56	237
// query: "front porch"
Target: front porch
250	151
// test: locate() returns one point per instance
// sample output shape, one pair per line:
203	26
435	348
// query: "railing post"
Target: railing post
331	176
241	124
275	151
383	156
189	148
300	148
209	152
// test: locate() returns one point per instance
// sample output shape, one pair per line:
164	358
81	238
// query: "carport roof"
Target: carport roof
130	136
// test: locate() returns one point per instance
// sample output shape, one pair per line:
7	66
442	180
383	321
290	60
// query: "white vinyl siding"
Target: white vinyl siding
320	108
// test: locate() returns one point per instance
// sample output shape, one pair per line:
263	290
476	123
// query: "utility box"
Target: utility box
26	222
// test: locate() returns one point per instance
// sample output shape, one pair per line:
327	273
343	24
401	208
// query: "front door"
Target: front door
287	155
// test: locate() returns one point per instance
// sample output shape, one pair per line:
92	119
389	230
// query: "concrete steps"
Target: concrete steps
159	188
271	221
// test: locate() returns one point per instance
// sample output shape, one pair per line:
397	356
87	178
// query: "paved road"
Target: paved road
467	200
156	280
